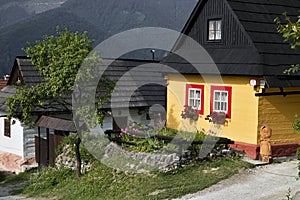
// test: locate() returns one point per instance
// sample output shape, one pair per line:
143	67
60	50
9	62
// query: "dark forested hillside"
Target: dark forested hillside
101	18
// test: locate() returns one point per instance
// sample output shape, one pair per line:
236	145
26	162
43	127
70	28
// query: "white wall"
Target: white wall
13	144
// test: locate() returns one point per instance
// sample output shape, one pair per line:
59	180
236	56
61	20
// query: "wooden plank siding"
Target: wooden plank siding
278	113
232	33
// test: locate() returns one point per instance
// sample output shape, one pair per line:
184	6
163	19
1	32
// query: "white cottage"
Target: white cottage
143	89
16	140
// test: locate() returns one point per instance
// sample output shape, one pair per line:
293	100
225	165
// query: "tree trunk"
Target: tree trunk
78	157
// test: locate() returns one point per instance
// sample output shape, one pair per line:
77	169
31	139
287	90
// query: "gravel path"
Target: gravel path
5	193
269	182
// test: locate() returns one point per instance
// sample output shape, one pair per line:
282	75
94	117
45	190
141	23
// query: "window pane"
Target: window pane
222	106
211	25
219	23
7	127
217	106
198	94
224	96
196	104
217	95
218	35
191	102
211	35
191	93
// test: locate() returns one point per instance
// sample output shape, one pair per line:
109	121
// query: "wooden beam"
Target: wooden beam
277	93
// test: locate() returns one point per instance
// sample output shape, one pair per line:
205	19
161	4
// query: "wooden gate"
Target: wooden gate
45	149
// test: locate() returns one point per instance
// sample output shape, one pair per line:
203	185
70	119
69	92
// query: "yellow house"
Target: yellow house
249	85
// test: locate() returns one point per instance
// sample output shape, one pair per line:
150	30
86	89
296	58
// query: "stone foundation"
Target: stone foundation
14	163
278	150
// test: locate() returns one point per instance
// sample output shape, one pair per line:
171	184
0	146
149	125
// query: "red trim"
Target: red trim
278	150
223	88
201	87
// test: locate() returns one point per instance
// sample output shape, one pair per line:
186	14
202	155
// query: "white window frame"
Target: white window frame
214	29
194	99
220	101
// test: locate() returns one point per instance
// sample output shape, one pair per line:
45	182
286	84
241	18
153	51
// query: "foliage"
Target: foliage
298	157
58	59
296	124
144	139
190	113
146	143
217	118
9	179
70	140
290	30
103	182
2	176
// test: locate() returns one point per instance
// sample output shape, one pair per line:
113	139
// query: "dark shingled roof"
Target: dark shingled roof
147	84
4	93
250	42
25	72
257	18
144	96
56	123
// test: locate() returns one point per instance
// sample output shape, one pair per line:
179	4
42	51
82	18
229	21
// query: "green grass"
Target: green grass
12	179
106	183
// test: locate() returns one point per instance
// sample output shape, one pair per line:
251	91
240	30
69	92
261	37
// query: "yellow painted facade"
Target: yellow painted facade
278	112
243	124
248	112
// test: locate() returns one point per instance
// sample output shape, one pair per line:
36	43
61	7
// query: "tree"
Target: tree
290	30
58	59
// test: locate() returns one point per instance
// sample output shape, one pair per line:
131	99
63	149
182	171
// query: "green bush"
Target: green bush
298	157
296	124
71	140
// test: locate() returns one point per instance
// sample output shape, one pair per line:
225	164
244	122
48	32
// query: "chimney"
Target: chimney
3	82
6	77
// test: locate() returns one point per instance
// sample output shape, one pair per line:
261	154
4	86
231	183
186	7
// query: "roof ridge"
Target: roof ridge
266	4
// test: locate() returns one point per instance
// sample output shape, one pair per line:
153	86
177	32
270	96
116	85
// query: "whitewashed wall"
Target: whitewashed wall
13	144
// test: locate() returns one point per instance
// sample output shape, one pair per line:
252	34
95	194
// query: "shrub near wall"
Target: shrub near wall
298	157
296	127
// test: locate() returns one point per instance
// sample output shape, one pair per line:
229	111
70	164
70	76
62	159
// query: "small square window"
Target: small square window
195	97
214	29
7	127
221	100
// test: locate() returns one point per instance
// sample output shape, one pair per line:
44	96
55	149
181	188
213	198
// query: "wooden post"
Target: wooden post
265	144
39	146
48	145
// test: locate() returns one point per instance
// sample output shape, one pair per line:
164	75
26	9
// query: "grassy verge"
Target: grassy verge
105	183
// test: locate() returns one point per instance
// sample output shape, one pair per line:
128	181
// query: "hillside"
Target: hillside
15	37
101	18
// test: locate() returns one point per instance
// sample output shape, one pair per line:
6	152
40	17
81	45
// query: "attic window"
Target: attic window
214	29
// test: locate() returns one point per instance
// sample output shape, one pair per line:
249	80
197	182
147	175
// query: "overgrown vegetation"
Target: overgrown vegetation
103	182
290	30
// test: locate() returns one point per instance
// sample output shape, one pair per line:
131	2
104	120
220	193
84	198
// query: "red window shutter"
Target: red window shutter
196	86
221	88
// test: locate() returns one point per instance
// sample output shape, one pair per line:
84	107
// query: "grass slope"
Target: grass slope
106	183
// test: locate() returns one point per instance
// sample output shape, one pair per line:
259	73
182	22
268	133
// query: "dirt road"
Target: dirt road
269	182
